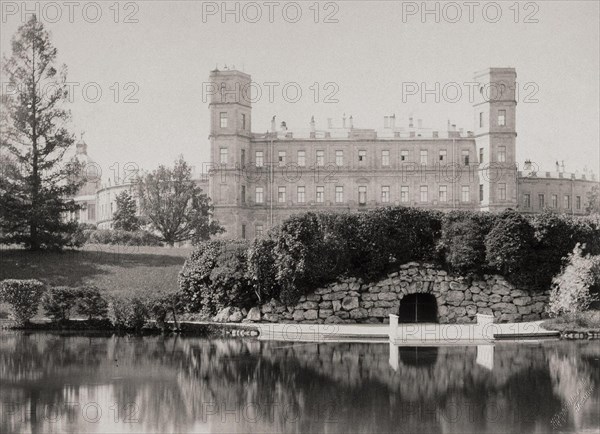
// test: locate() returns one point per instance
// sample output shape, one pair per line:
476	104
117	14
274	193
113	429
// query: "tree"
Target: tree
593	200
176	206
125	218
36	192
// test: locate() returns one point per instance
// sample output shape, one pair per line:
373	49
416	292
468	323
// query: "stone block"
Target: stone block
298	315
522	301
333	320
311	314
325	313
388	296
336	304
455	297
359	313
253	314
325	304
350	303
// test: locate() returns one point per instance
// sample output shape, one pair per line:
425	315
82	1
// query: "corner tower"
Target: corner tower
495	137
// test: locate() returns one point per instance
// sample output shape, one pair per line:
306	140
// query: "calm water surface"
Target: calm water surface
57	383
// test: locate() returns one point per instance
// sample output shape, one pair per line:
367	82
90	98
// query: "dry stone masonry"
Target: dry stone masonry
458	299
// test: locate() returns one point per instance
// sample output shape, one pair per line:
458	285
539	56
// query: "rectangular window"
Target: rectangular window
281	158
578	202
404	194
243	232
501	118
320	194
301	190
320	158
403	155
424	193
362	156
259	231
385	193
339	158
243	121
281	194
423	157
259	159
480	119
480	192
223	119
301	158
259	196
465	193
541	201
443	155
223	156
501	154
243	194
526	200
385	158
480	155
443	196
465	157
554	201
567	201
502	191
91	211
362	195
339	194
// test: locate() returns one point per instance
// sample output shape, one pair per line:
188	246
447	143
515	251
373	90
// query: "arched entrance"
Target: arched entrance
418	308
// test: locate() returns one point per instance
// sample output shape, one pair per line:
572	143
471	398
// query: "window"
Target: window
578	202
423	159
300	192
465	157
443	196
567	201
526	200
385	193
243	121
362	195
480	119
91	211
243	194
541	201
243	157
465	193
403	155
259	159
320	158
339	194
223	119
320	194
223	156
554	201
480	155
501	154
281	158
301	158
480	192
501	118
404	194
243	232
259	231
424	193
362	156
259	195
339	158
502	191
385	158
281	194
443	155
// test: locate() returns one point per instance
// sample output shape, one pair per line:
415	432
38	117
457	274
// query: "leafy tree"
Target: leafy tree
176	206
593	200
125	217
37	189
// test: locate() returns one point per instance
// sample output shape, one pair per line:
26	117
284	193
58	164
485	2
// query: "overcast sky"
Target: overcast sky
368	53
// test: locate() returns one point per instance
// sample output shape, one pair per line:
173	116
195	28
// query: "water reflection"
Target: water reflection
95	383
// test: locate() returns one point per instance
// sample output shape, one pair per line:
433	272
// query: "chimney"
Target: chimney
273	128
435	135
351	122
410	122
527	164
557	166
393	121
562	166
344	121
313	132
283	126
460	131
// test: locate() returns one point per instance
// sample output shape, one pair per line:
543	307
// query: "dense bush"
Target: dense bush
261	269
59	301
114	236
90	303
128	313
163	303
23	297
572	288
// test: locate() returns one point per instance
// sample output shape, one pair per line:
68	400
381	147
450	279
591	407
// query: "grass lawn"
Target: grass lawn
113	269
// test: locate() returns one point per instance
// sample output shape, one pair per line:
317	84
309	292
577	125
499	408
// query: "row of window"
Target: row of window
259	194
259	157
553	201
223	120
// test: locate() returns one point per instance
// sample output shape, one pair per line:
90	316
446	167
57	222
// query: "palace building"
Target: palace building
257	180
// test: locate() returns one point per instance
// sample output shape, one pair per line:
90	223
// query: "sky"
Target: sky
151	61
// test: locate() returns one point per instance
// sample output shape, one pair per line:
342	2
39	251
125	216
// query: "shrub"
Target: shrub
571	288
23	297
114	236
261	269
162	304
128	313
91	304
59	301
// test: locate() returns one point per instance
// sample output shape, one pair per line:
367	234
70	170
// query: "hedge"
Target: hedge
126	238
23	297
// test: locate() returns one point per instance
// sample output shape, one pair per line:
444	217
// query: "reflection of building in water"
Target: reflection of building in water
426	356
485	356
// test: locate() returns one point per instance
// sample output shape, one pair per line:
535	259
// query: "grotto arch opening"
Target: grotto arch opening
418	308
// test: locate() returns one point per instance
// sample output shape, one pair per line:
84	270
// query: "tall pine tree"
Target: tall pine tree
125	217
37	188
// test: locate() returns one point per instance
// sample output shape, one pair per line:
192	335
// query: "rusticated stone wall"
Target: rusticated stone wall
353	301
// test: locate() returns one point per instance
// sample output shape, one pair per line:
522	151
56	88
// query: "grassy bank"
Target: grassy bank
113	269
579	322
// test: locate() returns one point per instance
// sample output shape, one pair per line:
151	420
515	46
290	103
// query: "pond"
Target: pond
106	383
